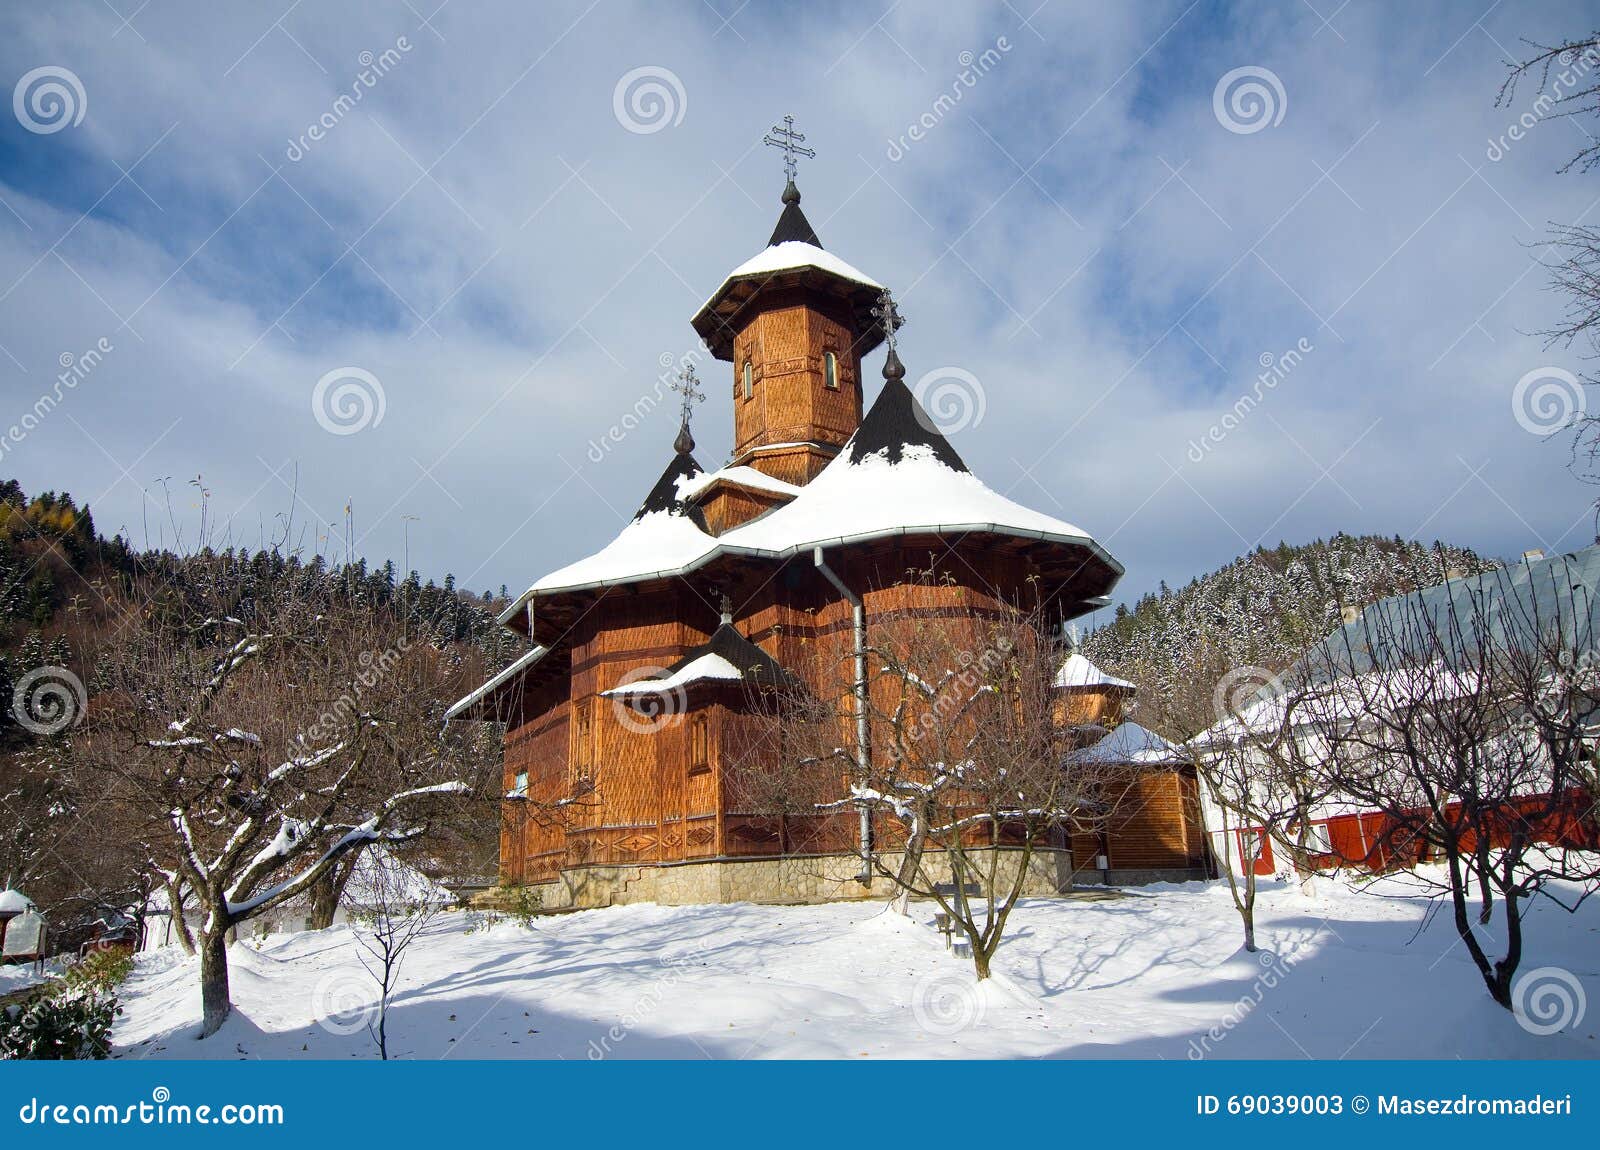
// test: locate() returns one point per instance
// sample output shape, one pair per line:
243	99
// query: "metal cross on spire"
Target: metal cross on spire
688	386
888	315
789	140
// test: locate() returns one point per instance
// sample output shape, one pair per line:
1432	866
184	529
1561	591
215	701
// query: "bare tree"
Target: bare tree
969	761
1463	719
256	742
393	904
1263	776
1567	79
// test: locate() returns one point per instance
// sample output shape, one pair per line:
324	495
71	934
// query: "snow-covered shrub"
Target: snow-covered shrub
60	1021
525	904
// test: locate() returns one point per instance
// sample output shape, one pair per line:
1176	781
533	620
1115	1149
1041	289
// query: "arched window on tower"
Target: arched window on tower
749	380
830	371
699	745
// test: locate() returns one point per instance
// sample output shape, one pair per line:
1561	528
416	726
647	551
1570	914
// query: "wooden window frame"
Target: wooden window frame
830	368
582	743
699	745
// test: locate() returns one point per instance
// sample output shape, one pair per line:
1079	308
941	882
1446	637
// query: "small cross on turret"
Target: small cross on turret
890	320
888	315
789	140
688	386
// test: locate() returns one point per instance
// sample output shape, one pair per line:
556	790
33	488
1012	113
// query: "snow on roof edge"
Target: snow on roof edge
707	666
1084	673
834	541
740	475
768	262
522	662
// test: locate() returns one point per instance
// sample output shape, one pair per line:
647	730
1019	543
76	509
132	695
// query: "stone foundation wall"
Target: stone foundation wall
783	880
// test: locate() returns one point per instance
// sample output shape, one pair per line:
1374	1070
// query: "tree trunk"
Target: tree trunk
324	901
180	926
1247	908
214	998
1499	990
910	864
328	891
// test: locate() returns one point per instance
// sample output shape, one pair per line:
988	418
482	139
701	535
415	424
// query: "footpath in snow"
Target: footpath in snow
1158	973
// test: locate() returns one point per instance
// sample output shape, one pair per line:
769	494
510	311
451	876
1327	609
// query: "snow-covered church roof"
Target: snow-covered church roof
666	535
14	902
897	475
1131	743
790	255
726	657
1079	672
691	487
794	256
794	244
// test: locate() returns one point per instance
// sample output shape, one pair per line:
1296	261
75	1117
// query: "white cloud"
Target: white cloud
556	256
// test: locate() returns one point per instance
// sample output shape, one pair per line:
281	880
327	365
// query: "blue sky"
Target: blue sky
1081	234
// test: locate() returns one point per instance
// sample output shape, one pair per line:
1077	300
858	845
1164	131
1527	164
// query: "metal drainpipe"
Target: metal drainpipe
859	618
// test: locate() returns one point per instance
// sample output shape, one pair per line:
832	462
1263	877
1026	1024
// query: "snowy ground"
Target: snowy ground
19	977
1148	976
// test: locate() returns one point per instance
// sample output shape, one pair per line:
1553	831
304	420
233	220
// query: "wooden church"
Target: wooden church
623	723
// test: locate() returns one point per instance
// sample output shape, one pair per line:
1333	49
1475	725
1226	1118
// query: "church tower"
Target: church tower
794	322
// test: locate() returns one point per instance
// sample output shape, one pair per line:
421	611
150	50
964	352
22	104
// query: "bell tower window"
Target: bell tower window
830	371
699	746
749	380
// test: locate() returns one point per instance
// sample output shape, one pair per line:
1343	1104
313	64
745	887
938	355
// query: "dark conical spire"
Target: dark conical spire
684	444
897	421
664	495
792	224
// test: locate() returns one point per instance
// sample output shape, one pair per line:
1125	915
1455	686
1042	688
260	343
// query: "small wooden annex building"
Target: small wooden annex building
633	705
1155	833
